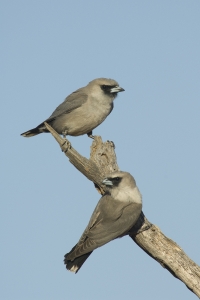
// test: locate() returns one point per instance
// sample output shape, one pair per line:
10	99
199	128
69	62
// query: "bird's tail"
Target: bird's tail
77	263
39	129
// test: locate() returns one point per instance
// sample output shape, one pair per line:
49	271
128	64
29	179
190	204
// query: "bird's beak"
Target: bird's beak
116	89
107	182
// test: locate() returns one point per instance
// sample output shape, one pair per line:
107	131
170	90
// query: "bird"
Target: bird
115	214
83	110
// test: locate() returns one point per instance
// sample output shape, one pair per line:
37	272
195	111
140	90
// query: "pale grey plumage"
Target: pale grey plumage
114	215
83	110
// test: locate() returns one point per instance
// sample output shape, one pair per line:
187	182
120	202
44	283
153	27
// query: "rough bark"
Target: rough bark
146	235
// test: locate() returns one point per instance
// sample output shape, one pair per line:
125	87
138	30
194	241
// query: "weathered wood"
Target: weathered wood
170	256
86	166
146	235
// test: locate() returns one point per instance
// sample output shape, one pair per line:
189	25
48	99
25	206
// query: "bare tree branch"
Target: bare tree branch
146	235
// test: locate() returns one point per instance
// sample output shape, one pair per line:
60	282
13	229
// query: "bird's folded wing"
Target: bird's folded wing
72	102
109	220
108	230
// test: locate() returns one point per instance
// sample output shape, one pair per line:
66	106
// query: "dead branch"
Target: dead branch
146	235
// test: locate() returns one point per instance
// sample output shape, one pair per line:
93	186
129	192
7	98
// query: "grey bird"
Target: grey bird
115	214
83	110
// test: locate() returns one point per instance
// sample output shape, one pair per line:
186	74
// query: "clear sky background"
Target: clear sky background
48	50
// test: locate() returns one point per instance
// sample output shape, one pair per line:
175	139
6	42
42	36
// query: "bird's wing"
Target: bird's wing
73	101
110	229
109	220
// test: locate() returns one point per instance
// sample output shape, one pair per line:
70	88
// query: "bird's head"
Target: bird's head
105	87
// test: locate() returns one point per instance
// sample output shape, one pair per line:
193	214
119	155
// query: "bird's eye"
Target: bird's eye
104	87
117	178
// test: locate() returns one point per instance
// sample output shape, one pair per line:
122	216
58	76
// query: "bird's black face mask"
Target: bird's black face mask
107	88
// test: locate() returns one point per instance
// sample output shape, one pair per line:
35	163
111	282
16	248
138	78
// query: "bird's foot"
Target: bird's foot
65	146
89	134
135	231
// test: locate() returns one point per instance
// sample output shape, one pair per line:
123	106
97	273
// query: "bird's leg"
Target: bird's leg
64	133
66	145
89	134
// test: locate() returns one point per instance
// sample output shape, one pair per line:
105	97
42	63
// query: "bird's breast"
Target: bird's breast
127	195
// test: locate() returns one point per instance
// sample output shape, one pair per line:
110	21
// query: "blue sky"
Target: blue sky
48	50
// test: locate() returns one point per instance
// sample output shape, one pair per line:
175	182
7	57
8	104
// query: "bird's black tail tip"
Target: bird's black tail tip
31	132
77	263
